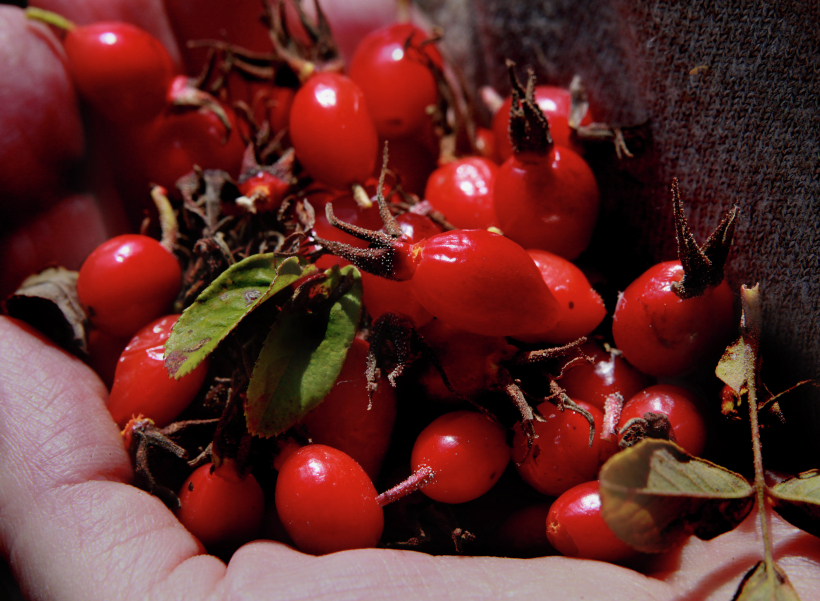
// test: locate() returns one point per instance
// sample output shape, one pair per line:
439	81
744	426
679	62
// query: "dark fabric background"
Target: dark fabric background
743	128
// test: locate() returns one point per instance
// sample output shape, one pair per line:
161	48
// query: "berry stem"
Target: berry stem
49	17
167	218
750	331
417	480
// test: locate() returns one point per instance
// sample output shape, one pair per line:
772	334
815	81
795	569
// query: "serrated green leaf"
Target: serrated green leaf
760	585
302	357
221	306
654	495
797	500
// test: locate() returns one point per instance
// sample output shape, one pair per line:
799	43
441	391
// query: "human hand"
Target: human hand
72	527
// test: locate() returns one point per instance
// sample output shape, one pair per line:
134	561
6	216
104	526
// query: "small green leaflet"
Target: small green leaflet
797	500
302	357
221	306
654	495
760	584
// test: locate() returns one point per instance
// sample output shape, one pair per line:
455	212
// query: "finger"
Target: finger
39	117
69	524
716	567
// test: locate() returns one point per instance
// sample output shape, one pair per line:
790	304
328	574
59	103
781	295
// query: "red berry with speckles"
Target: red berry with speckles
222	508
580	308
347	419
561	456
576	528
662	334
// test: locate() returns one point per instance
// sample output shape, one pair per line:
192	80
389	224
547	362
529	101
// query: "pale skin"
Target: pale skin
72	527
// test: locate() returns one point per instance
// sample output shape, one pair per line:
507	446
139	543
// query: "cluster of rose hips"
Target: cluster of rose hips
471	271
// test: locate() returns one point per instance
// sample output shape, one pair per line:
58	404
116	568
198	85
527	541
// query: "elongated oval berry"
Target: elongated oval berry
326	501
580	308
547	201
483	283
347	420
127	282
142	385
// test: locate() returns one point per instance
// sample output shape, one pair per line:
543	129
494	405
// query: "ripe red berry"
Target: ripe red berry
555	103
474	280
265	189
169	147
348	421
326	501
580	308
662	334
679	405
463	191
221	508
381	295
609	374
470	361
576	528
545	195
142	385
393	68
122	71
127	282
481	282
561	456
467	452
332	132
548	201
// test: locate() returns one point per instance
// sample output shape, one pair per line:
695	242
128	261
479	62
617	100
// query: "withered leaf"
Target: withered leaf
760	585
654	495
48	301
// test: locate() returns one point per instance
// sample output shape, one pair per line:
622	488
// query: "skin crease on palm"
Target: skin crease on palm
70	525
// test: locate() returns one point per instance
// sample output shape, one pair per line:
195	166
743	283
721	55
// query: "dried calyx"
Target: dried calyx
529	129
702	265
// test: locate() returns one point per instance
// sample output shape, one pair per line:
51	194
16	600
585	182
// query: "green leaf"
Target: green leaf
797	500
654	495
760	584
302	357
221	306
